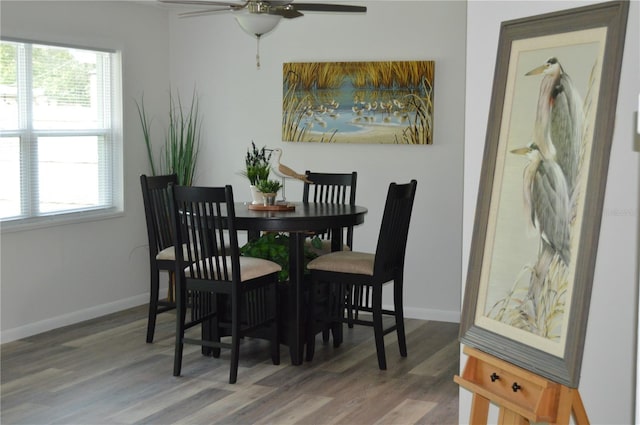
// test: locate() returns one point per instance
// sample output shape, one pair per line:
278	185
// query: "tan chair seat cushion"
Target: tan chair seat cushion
326	247
250	267
169	253
344	262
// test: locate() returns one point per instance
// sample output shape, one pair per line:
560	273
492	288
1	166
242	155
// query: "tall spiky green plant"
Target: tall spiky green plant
182	140
146	132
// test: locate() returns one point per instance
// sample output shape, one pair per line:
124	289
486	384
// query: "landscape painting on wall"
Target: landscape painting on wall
358	102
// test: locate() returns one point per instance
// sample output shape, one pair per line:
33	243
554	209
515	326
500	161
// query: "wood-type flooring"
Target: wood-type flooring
102	372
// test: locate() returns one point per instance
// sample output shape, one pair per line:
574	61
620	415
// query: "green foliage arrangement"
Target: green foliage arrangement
182	140
257	164
269	186
275	247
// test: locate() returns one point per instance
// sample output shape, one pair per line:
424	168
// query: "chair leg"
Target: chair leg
325	335
177	359
334	305
180	319
275	344
275	336
235	347
377	326
209	333
338	293
311	347
207	328
399	315
153	303
310	339
350	299
171	290
336	331
214	331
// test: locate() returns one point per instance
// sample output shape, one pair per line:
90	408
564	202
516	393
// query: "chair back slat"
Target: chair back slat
157	209
205	224
331	188
394	230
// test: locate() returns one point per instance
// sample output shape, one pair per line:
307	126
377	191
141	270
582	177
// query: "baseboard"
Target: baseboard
428	314
431	314
71	318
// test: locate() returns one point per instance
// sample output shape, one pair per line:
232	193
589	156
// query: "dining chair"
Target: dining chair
227	294
344	270
155	196
330	188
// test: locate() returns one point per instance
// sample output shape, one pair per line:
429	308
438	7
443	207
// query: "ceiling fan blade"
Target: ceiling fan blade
203	12
287	12
324	7
228	4
278	3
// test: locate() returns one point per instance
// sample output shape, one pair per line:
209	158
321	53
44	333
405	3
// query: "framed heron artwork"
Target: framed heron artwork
541	191
358	102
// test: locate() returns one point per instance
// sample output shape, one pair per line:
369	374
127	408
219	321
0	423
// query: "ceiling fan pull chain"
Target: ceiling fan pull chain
258	52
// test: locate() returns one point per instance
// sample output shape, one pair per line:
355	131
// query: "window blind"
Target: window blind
59	138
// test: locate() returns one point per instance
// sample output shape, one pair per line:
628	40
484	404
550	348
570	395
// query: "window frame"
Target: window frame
110	159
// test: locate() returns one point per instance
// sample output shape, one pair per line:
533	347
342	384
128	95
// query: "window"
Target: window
59	142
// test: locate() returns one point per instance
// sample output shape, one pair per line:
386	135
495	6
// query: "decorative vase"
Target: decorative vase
256	196
269	199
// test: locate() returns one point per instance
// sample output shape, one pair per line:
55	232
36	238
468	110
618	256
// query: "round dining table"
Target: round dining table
298	219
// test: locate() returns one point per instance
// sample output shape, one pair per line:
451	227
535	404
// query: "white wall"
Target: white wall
59	275
54	276
608	368
241	104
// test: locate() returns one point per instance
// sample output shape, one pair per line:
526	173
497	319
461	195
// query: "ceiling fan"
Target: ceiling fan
258	17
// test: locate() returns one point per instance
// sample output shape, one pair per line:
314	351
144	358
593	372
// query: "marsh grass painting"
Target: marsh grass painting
358	102
543	314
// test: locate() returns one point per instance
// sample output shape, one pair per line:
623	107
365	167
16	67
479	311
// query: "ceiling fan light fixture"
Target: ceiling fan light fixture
257	24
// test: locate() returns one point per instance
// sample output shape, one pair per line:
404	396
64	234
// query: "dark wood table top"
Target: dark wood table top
310	216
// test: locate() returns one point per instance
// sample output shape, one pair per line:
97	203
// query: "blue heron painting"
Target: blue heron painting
544	162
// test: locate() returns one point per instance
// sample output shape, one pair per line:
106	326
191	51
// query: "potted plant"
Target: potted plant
269	190
182	140
257	167
275	247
